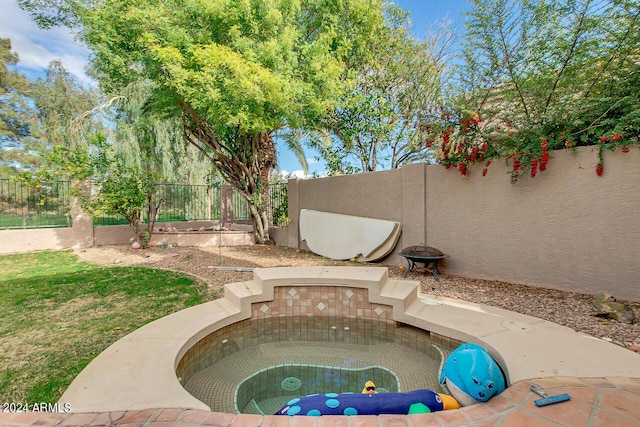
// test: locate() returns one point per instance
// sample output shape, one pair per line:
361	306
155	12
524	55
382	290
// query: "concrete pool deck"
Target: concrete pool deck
134	381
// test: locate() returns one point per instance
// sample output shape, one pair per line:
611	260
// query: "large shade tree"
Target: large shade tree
234	71
378	121
17	115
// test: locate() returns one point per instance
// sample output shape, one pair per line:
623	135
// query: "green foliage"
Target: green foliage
119	187
65	108
16	114
233	71
540	76
55	307
377	119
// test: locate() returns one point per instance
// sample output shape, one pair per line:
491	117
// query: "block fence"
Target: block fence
567	228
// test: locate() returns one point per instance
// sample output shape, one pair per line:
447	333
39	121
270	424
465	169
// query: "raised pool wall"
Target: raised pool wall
308	313
567	228
139	371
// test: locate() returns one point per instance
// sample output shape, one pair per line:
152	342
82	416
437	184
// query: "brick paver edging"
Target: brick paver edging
594	402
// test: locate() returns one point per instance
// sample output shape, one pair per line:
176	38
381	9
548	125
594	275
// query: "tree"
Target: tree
377	121
233	71
60	99
540	76
154	142
16	115
104	182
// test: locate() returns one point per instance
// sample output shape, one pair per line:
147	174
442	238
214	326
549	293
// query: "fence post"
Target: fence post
293	212
226	204
82	224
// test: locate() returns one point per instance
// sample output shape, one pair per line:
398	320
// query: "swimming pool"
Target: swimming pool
147	368
269	389
332	338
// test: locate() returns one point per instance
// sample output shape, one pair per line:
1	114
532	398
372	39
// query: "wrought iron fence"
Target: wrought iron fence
24	207
50	205
180	202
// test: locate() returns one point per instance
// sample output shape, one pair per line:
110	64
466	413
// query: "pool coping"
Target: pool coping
139	371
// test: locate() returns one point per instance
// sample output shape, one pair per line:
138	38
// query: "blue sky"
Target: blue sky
37	48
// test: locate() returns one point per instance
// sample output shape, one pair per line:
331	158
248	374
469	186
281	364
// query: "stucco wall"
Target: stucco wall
567	228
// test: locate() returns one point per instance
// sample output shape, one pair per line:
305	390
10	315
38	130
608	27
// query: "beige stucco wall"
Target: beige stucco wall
567	228
80	235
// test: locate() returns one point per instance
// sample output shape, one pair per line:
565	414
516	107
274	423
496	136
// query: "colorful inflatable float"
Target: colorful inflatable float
471	375
410	402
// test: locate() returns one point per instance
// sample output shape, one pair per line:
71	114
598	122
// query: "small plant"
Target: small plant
104	183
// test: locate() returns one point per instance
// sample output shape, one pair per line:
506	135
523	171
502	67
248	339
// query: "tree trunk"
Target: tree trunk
244	161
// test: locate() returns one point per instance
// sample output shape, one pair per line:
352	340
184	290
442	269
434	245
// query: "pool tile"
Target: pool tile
137	416
499	403
525	419
193	416
103	419
50	419
603	418
518	393
549	382
219	419
452	417
275	421
582	394
363	421
78	419
572	382
599	382
166	415
487	422
424	420
334	421
479	411
246	420
21	417
627	383
620	402
393	421
116	416
304	422
567	413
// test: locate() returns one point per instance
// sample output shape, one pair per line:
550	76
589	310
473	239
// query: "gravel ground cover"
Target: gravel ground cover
570	309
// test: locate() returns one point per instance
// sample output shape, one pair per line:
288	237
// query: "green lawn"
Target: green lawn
34	221
57	313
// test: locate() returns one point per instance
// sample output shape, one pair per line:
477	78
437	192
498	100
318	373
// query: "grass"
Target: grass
57	313
34	221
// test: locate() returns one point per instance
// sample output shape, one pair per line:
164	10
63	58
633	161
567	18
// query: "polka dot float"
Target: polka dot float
350	411
293	401
314	413
294	410
331	395
332	403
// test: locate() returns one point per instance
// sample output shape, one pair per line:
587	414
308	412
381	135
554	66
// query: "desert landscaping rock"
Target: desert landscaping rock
574	310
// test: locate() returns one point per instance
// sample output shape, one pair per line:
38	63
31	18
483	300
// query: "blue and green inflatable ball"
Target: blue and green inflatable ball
416	401
471	375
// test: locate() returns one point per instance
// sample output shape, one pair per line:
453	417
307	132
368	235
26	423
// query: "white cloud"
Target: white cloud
313	160
37	48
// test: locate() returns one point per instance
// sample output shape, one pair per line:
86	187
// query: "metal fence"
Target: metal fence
180	202
24	207
50	206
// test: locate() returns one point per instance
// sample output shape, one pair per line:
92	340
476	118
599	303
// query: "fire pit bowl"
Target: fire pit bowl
426	255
